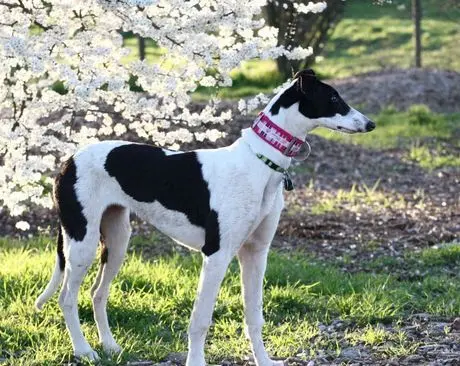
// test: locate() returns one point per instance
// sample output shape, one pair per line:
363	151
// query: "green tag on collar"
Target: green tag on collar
287	181
288	185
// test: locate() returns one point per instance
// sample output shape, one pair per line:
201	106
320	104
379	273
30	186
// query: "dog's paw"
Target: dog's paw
87	355
195	361
270	362
111	348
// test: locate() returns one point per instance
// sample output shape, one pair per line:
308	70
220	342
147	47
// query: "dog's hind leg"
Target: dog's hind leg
116	230
253	260
57	276
79	256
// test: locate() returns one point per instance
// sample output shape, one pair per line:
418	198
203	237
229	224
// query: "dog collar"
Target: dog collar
275	136
288	186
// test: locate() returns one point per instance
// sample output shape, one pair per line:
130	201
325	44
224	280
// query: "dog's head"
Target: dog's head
319	104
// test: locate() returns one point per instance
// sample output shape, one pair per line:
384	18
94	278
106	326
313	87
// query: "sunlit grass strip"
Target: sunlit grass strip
432	158
399	129
151	302
354	199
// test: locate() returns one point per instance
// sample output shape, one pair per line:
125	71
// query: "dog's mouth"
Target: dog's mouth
346	130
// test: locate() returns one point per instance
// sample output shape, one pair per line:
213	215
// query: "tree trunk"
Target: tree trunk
298	29
417	17
141	47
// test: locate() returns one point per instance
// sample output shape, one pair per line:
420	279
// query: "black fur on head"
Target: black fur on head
316	99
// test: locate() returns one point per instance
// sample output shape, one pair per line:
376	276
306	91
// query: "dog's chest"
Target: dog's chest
242	189
269	194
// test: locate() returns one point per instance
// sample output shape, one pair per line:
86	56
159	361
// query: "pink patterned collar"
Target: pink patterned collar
275	136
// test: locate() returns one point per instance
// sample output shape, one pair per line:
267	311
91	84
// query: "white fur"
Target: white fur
246	194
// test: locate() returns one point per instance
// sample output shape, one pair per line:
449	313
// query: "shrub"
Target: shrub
421	115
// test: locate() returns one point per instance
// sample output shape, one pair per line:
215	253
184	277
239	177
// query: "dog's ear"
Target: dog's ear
306	72
305	79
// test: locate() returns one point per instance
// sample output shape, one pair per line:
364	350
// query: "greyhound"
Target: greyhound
223	202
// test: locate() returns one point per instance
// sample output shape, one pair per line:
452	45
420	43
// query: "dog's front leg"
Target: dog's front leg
253	260
212	274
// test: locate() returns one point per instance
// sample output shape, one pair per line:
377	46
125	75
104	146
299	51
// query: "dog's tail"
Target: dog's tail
57	276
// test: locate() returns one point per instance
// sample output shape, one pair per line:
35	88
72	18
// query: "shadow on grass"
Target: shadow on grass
350	48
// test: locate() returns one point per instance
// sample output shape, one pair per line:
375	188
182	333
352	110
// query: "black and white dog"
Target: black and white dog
222	202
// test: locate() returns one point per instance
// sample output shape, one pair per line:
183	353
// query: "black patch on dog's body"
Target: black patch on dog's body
60	249
69	208
147	174
212	238
315	98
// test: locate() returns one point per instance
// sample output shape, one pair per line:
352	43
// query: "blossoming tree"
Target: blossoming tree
79	44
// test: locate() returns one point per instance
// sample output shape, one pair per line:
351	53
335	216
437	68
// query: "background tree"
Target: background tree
303	24
141	47
417	17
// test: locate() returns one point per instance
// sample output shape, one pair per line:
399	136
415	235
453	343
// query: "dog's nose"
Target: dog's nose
370	126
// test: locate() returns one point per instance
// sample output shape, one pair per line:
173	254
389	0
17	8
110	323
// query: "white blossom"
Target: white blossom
299	53
119	129
22	225
242	105
66	78
208	81
311	7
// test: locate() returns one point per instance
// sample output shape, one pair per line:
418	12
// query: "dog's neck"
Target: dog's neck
290	120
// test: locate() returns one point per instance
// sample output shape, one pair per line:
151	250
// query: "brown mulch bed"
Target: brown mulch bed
423	207
438	89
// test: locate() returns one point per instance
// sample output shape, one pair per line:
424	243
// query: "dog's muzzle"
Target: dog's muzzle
370	126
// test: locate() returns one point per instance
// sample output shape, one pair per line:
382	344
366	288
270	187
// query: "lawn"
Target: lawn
372	37
152	298
369	37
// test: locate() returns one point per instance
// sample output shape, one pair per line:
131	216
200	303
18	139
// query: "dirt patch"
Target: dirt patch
368	203
438	89
428	340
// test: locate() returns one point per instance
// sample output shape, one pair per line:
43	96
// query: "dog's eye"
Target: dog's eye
334	99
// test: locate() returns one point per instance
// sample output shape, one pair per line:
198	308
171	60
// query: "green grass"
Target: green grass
433	158
442	260
369	37
395	343
355	198
151	302
399	129
372	37
429	139
252	77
